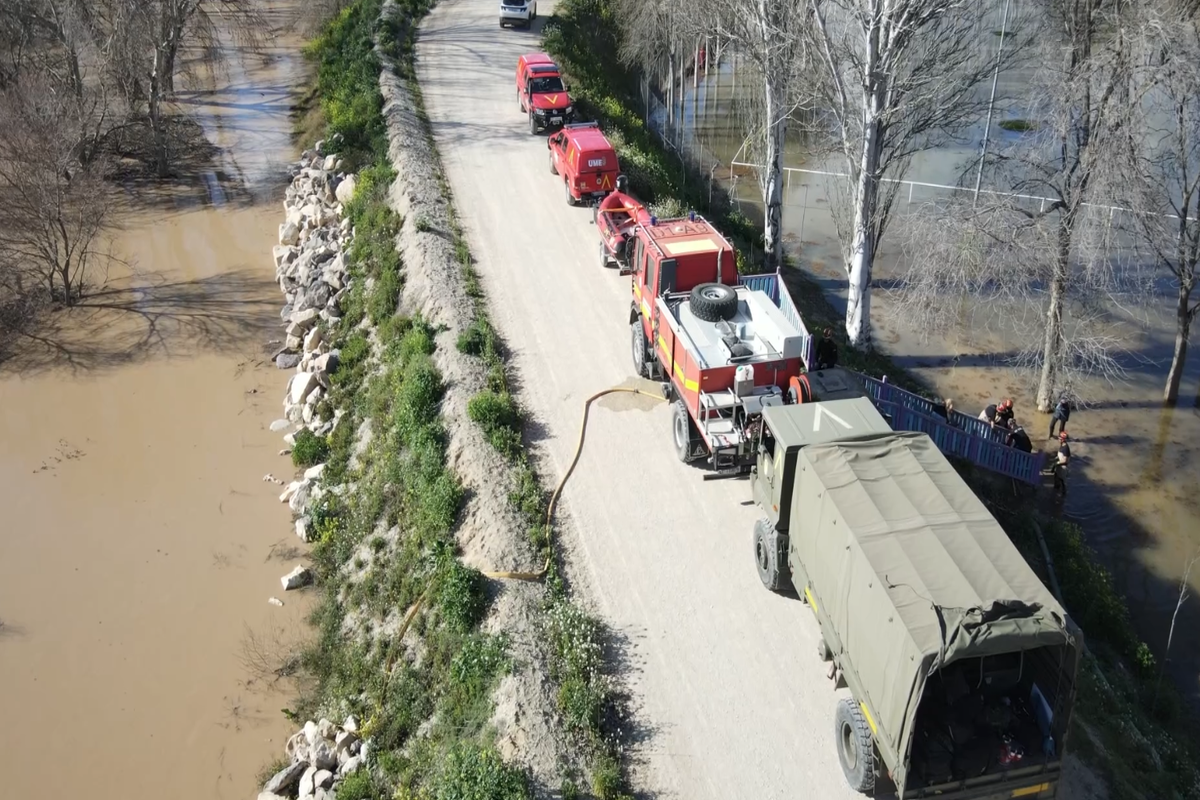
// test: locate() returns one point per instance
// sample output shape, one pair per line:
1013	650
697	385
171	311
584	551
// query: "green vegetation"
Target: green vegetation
1130	726
585	696
309	449
385	553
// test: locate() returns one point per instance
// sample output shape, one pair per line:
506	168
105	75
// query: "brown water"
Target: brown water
1135	465
140	543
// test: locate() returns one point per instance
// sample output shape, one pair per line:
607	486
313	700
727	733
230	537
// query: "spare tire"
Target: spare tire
713	302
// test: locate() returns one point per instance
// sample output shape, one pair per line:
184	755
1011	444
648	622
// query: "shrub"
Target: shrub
460	593
472	772
309	449
476	339
497	414
385	296
359	786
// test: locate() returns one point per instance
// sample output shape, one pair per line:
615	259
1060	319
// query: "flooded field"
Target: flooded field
1135	464
140	544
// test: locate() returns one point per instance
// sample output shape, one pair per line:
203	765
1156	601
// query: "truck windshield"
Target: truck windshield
542	85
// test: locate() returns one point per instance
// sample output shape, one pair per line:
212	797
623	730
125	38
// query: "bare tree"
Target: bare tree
153	33
1084	94
982	268
56	204
896	77
1165	156
770	37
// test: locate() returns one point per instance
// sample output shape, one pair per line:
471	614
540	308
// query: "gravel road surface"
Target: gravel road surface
730	697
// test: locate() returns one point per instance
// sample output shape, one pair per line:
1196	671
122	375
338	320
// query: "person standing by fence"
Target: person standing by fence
1062	413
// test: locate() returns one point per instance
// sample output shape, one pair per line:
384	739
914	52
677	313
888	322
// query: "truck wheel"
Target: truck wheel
823	651
532	123
567	191
638	348
856	749
768	558
713	302
553	169
685	433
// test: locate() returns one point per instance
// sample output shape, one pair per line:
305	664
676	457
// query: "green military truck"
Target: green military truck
961	666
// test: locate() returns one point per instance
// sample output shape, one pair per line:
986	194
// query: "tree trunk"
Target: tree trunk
1183	328
1052	345
772	177
157	126
862	248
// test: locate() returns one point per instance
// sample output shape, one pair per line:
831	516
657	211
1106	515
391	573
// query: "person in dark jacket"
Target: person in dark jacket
988	415
1017	438
827	352
1061	462
1062	413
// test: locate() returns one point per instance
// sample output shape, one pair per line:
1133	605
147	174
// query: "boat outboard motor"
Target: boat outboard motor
622	184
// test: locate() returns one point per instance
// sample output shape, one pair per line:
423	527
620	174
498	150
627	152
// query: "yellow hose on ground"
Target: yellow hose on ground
587	407
516	576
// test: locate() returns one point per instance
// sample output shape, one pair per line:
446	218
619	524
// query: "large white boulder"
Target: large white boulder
289	234
283	781
300	387
345	189
298	577
305	319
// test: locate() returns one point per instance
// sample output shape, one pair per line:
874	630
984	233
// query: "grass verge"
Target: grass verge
384	528
1131	726
574	640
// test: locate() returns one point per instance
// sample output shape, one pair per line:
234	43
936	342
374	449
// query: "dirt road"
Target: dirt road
725	675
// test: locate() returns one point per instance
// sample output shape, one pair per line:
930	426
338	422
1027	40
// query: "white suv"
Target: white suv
513	12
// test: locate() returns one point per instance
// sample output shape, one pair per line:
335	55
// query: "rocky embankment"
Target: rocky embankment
312	273
321	754
313	276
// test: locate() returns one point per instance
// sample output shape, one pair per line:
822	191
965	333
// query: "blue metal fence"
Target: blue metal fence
963	436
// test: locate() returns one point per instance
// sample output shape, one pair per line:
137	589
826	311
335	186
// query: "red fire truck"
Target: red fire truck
725	346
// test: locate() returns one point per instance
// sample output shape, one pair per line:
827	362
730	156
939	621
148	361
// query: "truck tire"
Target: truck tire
567	191
684	433
769	559
638	349
856	749
823	651
713	302
553	169
532	123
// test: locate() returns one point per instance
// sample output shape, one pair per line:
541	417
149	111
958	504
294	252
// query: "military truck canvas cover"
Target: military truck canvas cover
910	571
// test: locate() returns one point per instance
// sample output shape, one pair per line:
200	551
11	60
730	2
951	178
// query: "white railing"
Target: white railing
1043	201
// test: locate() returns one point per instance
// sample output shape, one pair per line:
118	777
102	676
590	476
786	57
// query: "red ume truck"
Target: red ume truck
586	161
726	346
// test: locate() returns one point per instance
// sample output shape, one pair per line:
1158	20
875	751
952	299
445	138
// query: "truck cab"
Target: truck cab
585	159
542	94
786	429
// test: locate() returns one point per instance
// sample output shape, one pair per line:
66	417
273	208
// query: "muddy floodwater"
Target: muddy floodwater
1135	465
140	543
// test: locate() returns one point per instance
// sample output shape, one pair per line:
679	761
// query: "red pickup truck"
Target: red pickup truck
541	93
586	161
